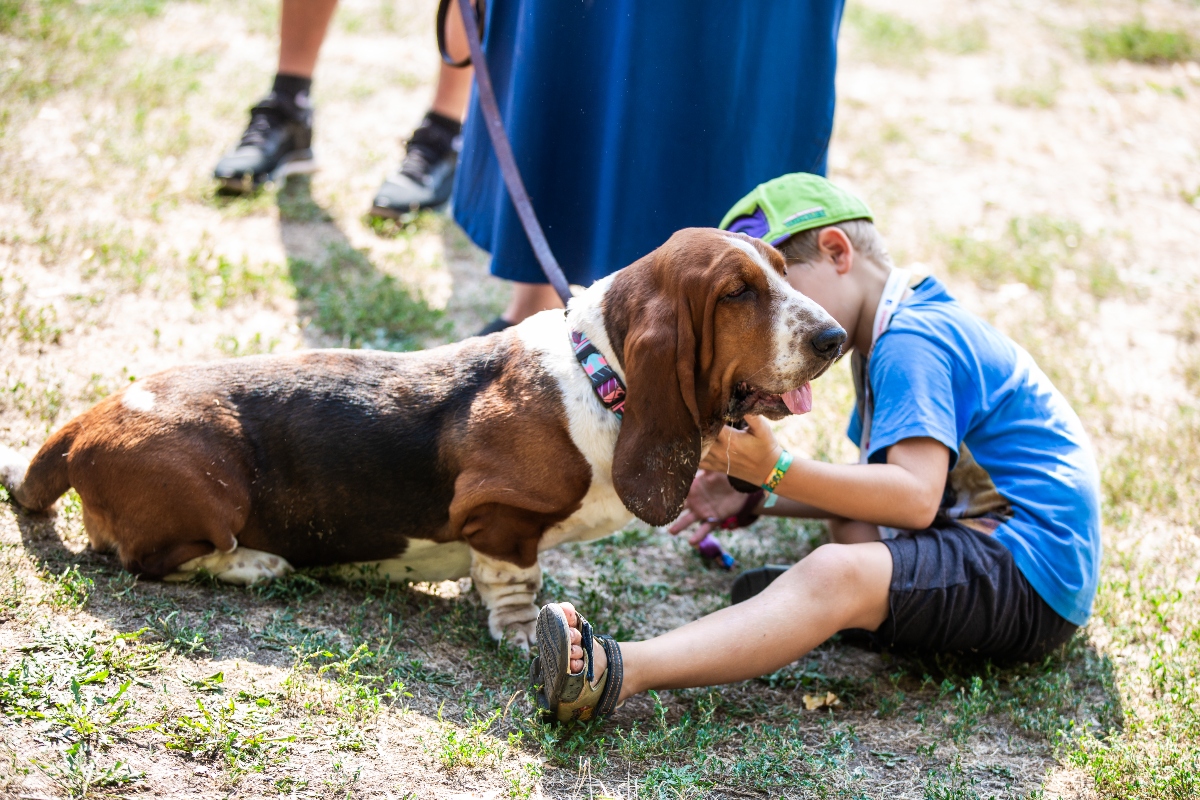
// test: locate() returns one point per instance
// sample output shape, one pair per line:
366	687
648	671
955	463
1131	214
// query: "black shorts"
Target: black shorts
955	590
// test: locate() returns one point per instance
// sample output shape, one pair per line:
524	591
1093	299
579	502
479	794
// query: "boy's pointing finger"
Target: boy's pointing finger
686	519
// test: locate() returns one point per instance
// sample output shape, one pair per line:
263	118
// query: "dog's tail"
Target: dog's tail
38	483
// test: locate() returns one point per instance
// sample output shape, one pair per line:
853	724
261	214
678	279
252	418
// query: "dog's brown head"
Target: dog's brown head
707	330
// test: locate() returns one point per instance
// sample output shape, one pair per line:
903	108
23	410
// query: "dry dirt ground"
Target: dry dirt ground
1028	153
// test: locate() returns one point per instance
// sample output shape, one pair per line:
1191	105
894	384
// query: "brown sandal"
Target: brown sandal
564	696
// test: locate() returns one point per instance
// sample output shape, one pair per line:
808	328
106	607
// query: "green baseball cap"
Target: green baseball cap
792	203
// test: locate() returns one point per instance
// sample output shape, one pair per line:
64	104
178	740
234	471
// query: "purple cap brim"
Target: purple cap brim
755	225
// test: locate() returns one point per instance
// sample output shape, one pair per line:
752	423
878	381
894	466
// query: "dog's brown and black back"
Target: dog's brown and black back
323	457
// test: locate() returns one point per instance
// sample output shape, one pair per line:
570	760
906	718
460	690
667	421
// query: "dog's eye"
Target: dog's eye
738	292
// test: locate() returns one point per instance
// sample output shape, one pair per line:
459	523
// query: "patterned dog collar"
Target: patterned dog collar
603	377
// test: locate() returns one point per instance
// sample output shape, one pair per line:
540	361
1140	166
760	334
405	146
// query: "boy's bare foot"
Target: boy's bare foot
564	686
599	657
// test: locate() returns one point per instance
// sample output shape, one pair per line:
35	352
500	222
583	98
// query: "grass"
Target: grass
1033	251
70	589
1155	469
76	687
471	746
78	773
27	321
888	39
1189	340
1158	752
42	398
1138	42
359	306
217	280
1037	91
183	637
891	40
689	743
230	731
966	39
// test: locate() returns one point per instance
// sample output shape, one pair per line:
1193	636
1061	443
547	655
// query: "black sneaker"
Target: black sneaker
426	176
277	143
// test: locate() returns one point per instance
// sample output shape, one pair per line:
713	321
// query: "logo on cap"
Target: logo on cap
804	216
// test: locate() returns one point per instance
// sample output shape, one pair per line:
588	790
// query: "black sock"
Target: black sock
291	85
450	126
432	140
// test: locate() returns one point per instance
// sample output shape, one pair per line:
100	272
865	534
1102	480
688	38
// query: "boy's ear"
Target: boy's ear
835	244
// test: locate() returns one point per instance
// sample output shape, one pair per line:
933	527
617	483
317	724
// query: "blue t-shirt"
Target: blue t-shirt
1021	464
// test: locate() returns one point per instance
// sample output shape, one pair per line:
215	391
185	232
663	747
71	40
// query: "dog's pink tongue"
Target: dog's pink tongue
799	401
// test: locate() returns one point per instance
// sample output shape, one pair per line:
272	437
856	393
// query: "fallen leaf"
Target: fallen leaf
812	702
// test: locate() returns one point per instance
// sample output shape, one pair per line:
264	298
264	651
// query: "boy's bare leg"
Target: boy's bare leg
851	531
835	588
301	31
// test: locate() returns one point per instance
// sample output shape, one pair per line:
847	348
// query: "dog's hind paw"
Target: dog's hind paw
243	566
13	467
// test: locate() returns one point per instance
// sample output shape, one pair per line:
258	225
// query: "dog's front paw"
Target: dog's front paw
515	625
508	590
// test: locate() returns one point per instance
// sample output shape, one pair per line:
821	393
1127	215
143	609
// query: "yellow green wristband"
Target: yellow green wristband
781	466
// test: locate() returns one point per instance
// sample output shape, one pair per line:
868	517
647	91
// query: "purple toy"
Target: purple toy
711	550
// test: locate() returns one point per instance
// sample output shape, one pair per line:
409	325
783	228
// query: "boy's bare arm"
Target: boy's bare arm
903	493
794	508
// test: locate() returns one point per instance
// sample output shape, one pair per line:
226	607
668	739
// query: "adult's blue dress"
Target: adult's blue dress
631	119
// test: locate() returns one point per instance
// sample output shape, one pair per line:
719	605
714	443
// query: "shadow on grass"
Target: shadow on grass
476	297
931	716
432	654
341	292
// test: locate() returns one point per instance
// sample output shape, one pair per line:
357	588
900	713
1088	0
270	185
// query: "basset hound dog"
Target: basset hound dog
466	459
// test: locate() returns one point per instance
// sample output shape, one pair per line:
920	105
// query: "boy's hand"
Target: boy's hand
750	454
711	500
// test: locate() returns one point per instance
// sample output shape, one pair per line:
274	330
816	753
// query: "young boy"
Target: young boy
970	524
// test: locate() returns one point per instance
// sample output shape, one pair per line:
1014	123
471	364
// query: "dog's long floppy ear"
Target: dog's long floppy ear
658	449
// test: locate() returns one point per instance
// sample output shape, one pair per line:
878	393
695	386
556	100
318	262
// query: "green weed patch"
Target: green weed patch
1136	41
889	39
1032	251
362	307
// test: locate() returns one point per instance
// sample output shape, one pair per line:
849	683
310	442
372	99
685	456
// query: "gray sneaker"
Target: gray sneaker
277	143
426	176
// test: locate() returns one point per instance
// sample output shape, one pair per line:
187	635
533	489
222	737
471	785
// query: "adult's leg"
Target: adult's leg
454	83
452	92
425	178
834	588
302	29
278	141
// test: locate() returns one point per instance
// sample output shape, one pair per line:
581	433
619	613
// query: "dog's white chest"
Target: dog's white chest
602	514
593	428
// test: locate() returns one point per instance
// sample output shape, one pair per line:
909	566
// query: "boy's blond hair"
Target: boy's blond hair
802	248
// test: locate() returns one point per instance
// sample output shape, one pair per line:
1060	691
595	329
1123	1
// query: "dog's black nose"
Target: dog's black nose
828	343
